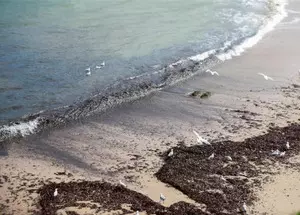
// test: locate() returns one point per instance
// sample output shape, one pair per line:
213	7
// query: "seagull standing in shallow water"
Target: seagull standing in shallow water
101	65
201	139
88	71
287	145
55	192
266	77
212	72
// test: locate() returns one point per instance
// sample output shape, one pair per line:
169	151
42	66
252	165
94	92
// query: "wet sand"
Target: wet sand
127	142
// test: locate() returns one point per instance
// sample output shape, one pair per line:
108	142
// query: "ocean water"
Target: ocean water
47	45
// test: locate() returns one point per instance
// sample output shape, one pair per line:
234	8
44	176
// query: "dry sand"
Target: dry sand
281	196
125	143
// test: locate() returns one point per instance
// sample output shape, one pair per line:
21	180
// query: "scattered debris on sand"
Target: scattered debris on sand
224	185
104	197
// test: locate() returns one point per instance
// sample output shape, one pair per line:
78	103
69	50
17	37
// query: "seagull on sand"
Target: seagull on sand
162	198
282	154
137	213
244	208
88	71
212	156
55	192
171	153
266	77
122	183
201	139
212	72
228	158
222	178
287	145
275	152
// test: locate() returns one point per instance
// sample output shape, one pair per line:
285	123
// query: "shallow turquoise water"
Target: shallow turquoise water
47	45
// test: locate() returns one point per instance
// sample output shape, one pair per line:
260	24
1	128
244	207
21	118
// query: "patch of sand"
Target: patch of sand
22	175
152	188
281	196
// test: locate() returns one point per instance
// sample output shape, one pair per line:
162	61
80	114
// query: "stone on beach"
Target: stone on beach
200	94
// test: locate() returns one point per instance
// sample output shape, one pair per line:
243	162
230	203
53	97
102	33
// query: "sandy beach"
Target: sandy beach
131	142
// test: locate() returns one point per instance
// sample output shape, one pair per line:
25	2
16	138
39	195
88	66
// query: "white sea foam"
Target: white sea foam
203	56
22	128
254	3
27	128
249	42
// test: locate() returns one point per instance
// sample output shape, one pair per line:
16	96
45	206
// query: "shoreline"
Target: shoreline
127	143
179	71
217	185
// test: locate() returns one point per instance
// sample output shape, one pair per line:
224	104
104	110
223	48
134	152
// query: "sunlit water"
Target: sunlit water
47	45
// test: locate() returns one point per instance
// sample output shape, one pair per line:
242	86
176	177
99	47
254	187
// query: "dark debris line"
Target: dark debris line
111	198
190	171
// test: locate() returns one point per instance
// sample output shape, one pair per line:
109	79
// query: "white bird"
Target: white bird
101	65
212	156
55	192
228	158
244	207
266	77
88	71
275	152
212	72
171	153
122	183
201	139
222	178
162	198
282	154
137	213
287	145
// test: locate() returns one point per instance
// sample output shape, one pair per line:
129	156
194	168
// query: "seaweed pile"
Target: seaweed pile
109	197
222	175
